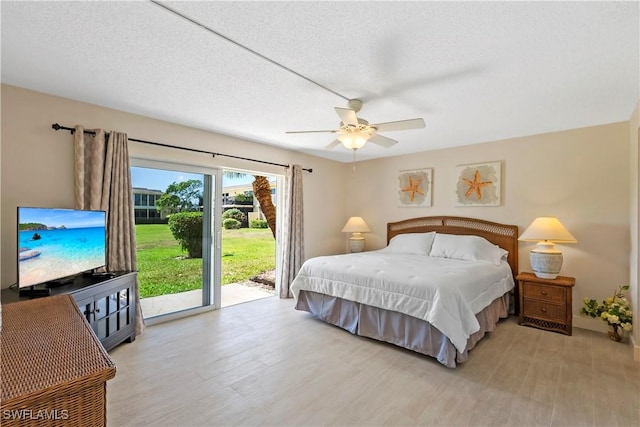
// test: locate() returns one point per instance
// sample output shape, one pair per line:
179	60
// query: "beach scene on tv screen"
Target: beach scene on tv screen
57	243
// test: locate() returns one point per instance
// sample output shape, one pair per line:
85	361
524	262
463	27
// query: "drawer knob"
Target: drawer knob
543	309
543	292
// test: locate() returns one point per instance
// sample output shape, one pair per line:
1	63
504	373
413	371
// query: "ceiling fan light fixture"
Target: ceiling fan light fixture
354	132
354	140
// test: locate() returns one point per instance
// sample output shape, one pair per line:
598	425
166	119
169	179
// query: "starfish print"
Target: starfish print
413	187
475	185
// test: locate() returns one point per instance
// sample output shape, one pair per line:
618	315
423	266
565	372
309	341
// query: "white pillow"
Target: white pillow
411	243
468	248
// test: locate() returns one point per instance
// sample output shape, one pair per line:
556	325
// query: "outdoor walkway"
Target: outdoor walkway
232	294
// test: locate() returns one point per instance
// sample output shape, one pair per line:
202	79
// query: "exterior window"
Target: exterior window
144	200
136	200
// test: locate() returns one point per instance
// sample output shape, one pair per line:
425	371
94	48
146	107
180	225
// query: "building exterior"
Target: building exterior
144	204
252	208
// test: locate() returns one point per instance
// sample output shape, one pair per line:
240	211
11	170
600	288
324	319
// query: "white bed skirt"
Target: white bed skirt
398	328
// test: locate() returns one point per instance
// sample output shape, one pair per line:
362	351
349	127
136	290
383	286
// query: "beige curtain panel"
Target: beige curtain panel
103	182
293	232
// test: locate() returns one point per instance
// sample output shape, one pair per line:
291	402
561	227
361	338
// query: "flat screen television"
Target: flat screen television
55	245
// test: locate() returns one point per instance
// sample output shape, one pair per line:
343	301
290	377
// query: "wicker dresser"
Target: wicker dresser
53	368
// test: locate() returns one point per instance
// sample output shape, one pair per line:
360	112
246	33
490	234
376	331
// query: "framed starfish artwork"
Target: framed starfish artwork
414	188
478	184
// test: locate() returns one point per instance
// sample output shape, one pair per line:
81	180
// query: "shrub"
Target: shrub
231	224
235	214
243	199
186	227
258	223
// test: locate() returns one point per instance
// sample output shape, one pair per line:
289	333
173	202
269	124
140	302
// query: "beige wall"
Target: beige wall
580	176
37	168
634	275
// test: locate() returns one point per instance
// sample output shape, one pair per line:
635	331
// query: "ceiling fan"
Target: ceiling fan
354	132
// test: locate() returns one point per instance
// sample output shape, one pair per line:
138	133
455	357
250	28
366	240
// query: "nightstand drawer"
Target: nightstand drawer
544	292
544	310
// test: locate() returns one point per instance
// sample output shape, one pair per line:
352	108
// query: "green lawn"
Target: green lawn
163	268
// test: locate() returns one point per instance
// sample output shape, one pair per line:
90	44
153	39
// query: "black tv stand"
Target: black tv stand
99	274
105	275
59	282
108	302
35	293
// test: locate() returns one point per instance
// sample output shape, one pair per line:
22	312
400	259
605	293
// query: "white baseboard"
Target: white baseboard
636	350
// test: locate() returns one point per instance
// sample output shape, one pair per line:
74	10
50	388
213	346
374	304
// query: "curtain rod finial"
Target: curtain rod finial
56	126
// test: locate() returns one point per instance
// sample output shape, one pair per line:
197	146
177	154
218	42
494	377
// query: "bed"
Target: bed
438	287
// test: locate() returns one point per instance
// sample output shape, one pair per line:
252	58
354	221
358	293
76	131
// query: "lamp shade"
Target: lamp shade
356	225
545	259
547	228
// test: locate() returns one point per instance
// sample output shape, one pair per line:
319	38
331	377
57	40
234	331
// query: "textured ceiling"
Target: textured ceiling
475	71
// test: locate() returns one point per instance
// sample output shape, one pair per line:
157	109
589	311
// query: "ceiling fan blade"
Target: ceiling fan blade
399	125
382	141
333	145
310	131
347	116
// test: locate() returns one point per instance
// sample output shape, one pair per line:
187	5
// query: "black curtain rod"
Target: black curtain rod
56	126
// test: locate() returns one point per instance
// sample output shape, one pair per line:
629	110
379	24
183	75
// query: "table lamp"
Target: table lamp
545	259
356	226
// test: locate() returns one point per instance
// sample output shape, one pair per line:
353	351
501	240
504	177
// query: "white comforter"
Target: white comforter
447	293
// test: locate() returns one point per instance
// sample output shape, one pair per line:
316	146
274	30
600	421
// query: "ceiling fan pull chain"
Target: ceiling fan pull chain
353	170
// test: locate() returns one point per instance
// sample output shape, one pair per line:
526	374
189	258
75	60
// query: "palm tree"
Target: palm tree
262	192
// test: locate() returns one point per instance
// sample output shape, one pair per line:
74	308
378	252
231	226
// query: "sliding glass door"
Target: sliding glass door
248	243
178	236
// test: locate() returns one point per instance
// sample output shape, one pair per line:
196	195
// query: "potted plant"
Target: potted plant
614	310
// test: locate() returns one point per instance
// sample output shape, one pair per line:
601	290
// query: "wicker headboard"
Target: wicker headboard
505	236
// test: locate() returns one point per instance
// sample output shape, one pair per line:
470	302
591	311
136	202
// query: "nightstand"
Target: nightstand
546	303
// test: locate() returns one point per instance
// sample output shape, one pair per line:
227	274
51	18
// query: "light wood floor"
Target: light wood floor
264	363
